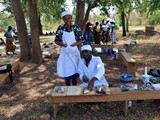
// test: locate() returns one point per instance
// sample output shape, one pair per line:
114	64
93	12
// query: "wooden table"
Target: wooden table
15	62
114	94
109	45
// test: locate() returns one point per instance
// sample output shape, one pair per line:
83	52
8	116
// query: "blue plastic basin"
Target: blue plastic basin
126	77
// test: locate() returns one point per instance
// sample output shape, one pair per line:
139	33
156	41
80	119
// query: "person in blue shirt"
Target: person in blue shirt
9	41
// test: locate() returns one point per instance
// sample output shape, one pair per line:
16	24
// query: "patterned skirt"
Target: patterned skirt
9	45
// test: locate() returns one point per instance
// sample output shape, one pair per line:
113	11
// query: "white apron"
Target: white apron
67	63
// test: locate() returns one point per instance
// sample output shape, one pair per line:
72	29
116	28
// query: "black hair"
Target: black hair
9	27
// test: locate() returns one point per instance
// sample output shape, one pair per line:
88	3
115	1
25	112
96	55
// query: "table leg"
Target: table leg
55	108
125	108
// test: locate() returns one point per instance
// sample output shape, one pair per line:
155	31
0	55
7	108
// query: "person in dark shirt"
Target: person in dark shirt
96	33
88	33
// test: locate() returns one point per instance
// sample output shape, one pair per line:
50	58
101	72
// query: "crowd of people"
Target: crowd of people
101	33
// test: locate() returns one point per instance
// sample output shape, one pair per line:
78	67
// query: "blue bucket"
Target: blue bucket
126	77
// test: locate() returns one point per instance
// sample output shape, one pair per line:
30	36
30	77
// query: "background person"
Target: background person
113	26
2	41
88	33
96	33
9	41
68	37
91	69
108	31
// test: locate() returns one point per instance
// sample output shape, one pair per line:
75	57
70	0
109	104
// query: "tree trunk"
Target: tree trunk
36	48
22	31
80	13
123	24
86	18
40	26
127	22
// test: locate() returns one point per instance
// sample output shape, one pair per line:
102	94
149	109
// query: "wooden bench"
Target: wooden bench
127	60
4	78
127	45
109	45
115	95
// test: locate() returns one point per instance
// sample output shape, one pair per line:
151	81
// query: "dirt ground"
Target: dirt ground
26	99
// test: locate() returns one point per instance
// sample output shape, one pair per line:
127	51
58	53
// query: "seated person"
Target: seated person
91	69
50	33
2	41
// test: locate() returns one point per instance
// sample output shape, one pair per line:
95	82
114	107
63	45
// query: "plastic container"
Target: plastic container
109	52
126	77
146	78
11	55
115	56
129	104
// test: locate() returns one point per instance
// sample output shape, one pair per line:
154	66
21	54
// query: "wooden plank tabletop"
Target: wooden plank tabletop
102	46
14	61
7	59
74	91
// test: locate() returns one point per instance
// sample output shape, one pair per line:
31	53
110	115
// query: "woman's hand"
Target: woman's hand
61	44
64	45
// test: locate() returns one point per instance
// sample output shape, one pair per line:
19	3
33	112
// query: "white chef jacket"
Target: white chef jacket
95	69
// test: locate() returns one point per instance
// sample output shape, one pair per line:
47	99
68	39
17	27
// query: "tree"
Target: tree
36	48
50	9
125	7
22	31
153	6
121	8
82	15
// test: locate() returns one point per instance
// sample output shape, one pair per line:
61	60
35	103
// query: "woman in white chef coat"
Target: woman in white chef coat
68	37
91	69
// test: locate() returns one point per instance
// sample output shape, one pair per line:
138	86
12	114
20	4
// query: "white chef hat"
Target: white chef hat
86	47
113	21
65	13
109	19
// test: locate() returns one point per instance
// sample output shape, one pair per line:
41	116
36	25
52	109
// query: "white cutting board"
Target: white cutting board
74	90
